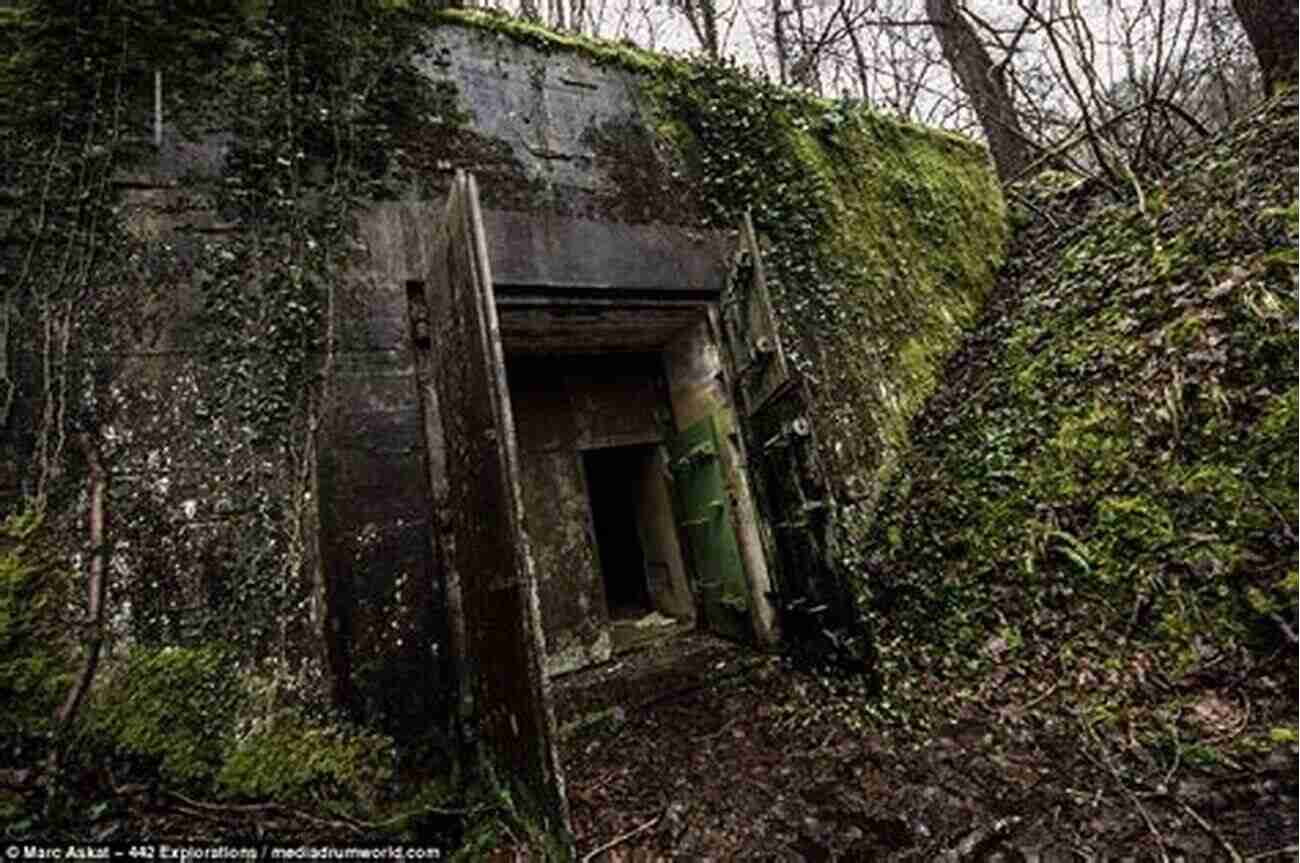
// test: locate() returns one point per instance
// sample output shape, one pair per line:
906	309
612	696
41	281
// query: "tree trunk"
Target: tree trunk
983	84
98	482
779	40
859	56
1271	27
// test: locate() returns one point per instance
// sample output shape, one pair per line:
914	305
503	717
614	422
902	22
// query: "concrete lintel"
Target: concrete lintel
553	252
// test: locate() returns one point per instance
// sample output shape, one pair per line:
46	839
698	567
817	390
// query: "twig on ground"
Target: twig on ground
609	777
204	814
423	810
1284	626
1178	749
618	840
1213	831
1119	780
1277	852
1038	699
355	825
712	734
223	807
1282	520
328	822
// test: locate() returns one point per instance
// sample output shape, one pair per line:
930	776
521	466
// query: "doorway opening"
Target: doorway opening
611	484
636	543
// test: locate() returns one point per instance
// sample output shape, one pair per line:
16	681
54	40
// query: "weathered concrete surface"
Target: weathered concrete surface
546	132
557	517
542	250
564	325
494	613
384	599
198	496
383	591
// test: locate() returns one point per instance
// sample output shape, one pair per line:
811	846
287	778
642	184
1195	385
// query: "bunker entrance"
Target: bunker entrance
636	498
612	479
599	497
567	372
640	558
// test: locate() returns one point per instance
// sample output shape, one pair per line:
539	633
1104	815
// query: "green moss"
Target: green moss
882	241
173	709
881	237
1114	454
287	757
36	655
546	40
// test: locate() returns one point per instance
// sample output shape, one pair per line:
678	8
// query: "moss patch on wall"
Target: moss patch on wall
37	651
171	710
289	757
881	243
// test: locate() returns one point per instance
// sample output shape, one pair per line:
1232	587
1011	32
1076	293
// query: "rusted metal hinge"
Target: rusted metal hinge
799	427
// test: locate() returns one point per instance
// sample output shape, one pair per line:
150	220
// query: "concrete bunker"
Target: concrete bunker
558	363
615	374
588	311
586	165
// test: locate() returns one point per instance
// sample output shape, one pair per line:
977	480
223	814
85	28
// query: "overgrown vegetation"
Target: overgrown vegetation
1101	490
170	710
229	211
1099	513
881	243
36	652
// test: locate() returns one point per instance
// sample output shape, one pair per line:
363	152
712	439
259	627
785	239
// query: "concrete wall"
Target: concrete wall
210	534
545	131
382	590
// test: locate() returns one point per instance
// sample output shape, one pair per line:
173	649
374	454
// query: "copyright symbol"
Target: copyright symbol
12	851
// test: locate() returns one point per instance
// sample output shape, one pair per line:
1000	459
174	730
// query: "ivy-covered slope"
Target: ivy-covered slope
1100	503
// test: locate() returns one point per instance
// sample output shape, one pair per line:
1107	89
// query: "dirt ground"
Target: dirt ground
700	750
693	748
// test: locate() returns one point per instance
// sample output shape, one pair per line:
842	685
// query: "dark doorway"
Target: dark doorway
613	477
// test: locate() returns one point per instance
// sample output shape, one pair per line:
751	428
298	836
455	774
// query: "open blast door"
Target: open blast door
504	712
815	604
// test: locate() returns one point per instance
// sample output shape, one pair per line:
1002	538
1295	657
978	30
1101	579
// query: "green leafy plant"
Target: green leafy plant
288	757
170	709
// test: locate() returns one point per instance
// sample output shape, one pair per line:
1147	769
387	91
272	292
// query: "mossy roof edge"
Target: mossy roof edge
641	61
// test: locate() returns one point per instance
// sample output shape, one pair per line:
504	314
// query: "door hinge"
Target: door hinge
795	428
697	453
715	507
